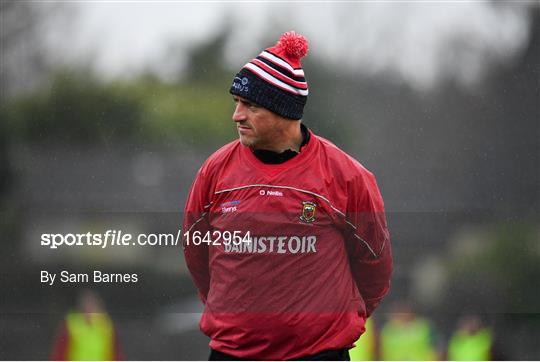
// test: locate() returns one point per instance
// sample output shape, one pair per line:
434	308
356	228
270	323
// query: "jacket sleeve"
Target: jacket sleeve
196	221
368	241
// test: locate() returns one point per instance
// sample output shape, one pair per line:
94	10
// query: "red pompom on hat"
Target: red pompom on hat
292	47
275	79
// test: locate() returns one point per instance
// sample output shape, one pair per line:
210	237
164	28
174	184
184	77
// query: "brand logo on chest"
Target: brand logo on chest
229	206
270	193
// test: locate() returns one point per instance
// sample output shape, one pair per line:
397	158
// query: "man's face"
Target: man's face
258	127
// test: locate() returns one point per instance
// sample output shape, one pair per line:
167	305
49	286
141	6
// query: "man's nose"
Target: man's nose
239	114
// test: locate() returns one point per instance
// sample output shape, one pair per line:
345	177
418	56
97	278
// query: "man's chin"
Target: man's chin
246	141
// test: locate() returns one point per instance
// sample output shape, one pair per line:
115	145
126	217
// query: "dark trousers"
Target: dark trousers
330	355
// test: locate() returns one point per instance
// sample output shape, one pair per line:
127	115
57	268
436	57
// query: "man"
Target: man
407	336
87	334
471	342
285	234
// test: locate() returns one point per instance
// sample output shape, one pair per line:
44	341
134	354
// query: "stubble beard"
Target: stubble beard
248	141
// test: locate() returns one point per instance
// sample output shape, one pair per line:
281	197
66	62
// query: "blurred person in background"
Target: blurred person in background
471	341
318	259
407	337
87	333
366	347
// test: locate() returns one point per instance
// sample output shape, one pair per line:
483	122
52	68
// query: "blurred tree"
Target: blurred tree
6	173
23	24
21	65
194	113
76	108
206	61
495	269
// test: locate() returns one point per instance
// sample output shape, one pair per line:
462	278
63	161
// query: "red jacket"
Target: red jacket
315	264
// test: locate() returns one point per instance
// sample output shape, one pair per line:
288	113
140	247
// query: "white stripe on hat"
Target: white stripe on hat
270	78
289	80
279	61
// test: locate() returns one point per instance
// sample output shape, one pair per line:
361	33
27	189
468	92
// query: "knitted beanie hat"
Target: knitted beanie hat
275	79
